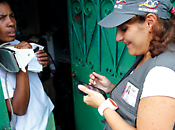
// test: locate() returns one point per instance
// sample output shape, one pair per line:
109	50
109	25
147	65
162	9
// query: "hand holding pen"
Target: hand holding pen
101	82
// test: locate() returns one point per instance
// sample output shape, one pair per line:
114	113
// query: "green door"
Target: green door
93	48
4	119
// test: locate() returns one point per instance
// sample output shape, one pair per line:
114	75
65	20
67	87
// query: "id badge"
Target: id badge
130	94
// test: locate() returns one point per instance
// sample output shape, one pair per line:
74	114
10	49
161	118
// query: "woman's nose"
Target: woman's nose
119	36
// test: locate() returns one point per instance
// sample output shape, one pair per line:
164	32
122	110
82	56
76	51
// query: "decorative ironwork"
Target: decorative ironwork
94	47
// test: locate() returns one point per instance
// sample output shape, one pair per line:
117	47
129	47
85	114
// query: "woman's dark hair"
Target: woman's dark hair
163	33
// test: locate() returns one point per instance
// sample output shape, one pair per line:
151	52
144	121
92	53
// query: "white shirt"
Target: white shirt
40	106
160	81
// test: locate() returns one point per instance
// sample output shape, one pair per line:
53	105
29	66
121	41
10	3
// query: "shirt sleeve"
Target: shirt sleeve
11	83
11	79
15	42
160	81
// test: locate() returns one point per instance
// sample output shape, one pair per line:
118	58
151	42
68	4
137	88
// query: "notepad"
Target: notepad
34	65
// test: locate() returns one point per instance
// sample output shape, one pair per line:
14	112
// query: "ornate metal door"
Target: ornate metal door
93	48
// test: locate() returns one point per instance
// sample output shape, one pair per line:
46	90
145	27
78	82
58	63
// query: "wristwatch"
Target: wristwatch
109	103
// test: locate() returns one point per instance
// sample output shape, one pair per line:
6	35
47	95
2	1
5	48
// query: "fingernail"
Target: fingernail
93	77
80	87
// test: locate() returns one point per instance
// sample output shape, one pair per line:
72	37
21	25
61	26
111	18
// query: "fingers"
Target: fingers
93	98
94	78
41	53
83	88
43	63
23	45
94	75
97	76
91	80
42	58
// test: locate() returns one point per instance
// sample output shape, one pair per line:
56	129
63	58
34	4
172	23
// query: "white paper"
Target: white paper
34	65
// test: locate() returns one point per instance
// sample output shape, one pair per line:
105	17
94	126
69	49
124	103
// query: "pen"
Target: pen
94	77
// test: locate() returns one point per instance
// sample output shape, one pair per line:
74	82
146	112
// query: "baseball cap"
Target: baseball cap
126	9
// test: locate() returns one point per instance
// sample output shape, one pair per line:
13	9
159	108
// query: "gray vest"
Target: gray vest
137	78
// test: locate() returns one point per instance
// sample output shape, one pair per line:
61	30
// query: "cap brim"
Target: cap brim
114	19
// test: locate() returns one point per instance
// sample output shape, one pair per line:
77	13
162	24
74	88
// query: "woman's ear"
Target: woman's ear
151	20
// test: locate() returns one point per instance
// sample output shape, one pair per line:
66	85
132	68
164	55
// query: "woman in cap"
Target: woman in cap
144	99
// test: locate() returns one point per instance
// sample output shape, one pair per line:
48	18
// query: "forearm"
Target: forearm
111	87
21	95
115	121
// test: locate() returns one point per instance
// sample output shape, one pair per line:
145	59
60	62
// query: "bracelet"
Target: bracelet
109	103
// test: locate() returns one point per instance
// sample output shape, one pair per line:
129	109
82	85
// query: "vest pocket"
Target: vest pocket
127	96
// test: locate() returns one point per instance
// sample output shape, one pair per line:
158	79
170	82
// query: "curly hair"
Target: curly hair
163	34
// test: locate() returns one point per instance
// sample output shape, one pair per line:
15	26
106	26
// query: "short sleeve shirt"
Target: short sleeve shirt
160	81
40	106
